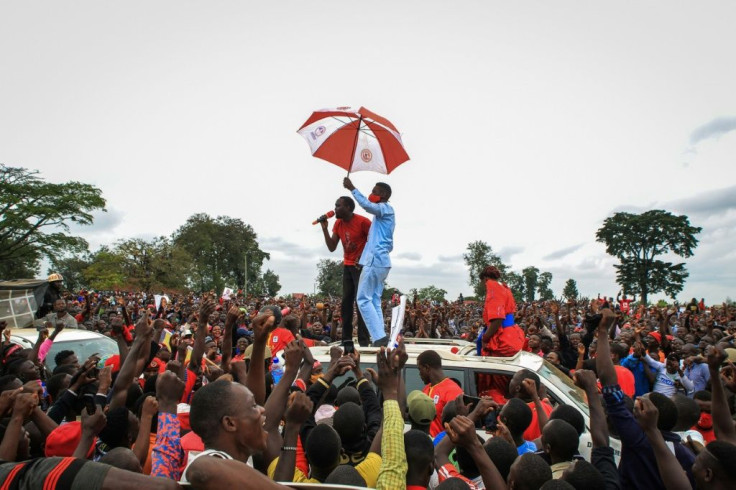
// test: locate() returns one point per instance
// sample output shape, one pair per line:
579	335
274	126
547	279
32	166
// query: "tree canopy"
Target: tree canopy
478	256
35	218
218	247
570	290
431	293
329	277
638	239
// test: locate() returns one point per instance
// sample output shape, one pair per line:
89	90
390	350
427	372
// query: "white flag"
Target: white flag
397	322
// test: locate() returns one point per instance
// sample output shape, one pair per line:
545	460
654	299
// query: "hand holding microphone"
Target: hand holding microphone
324	217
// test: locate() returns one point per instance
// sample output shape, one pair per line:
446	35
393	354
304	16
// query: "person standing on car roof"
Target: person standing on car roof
375	257
53	292
352	231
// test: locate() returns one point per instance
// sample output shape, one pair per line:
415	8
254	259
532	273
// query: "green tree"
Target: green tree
479	255
543	286
35	216
218	247
72	269
268	284
515	282
571	290
638	239
329	277
432	293
154	264
531	276
105	271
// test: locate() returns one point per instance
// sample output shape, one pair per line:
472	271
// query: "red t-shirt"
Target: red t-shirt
278	339
496	301
441	393
625	305
532	432
353	235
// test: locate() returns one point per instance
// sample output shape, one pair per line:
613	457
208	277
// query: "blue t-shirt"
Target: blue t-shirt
527	447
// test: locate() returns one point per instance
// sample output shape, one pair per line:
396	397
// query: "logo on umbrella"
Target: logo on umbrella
366	155
319	131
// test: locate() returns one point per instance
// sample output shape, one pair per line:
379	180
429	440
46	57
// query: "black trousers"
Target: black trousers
350	279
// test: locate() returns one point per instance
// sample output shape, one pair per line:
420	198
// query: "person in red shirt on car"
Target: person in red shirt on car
352	231
502	337
439	387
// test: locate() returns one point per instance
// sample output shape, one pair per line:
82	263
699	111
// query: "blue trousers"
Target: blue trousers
368	298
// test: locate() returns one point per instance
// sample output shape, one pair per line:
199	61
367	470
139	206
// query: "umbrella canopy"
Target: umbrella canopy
354	140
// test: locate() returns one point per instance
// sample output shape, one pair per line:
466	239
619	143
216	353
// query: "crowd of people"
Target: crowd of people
223	390
208	391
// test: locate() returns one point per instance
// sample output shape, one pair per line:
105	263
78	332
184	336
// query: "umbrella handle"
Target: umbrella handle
355	144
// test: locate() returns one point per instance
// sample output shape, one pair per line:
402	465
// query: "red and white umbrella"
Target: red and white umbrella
354	140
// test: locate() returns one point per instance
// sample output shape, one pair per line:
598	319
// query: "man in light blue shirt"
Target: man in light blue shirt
375	259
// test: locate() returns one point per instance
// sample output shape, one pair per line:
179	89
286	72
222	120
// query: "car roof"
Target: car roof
456	346
31	334
522	359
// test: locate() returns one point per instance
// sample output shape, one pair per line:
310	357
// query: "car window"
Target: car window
82	348
344	379
564	384
414	382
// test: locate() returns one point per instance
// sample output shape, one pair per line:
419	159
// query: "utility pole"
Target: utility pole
245	276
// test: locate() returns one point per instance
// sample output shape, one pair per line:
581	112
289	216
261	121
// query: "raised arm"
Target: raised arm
227	337
461	431
722	422
143	333
205	310
603	363
598	426
255	380
276	405
672	474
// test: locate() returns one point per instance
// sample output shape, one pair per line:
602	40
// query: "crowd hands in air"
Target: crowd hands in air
192	398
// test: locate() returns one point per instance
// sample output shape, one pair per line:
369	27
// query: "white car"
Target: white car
465	370
84	343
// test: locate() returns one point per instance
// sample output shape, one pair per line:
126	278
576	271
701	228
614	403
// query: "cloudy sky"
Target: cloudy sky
527	123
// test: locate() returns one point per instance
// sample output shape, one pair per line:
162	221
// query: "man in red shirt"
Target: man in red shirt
352	230
439	388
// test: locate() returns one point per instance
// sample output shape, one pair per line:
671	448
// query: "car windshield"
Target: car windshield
82	348
563	383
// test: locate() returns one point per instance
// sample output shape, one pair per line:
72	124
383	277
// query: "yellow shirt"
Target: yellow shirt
368	469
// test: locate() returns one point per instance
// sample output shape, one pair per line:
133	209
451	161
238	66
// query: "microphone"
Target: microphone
324	217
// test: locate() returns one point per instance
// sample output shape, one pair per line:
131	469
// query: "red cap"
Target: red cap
657	336
64	440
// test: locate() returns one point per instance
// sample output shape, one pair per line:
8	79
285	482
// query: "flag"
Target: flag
397	322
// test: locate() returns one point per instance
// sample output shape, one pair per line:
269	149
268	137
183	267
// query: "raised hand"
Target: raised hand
262	326
169	389
715	356
530	387
299	408
93	423
205	310
143	328
150	407
7	399
646	414
585	379
293	355
461	431
24	404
